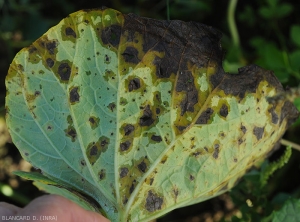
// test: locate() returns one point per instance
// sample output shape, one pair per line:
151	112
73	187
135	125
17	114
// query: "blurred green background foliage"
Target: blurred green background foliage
264	32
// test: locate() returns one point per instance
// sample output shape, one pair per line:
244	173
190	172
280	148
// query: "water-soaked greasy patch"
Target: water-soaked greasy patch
205	116
94	149
153	201
258	132
74	95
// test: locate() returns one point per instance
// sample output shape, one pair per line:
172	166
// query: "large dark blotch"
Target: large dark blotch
134	84
258	132
64	71
111	35
205	116
182	43
74	95
247	81
153	202
289	113
50	46
70	32
131	55
146	119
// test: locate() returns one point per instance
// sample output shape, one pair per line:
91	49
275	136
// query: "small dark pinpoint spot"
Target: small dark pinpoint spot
142	166
156	138
134	84
50	62
146	119
128	129
70	32
153	202
64	71
74	95
125	146
224	110
26	154
107	59
82	162
123	172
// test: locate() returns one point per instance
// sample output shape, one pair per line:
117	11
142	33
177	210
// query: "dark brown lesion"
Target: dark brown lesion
258	132
74	95
71	132
146	119
50	62
70	32
111	35
156	138
64	71
134	84
130	55
125	145
205	116
154	202
128	129
224	110
95	149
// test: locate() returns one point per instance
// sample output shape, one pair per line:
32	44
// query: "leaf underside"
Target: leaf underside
138	113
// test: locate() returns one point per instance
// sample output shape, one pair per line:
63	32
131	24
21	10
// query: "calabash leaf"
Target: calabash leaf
138	114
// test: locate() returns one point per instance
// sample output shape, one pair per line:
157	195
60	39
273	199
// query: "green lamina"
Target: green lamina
134	117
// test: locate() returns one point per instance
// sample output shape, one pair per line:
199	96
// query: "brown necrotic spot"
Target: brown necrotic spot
131	55
191	177
216	151
95	149
50	62
224	110
101	174
205	116
70	32
258	132
142	166
82	162
123	172
153	202
243	128
156	138
274	115
94	122
134	84
146	119
128	129
111	35
51	46
71	132
111	106
125	146
64	71
74	95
